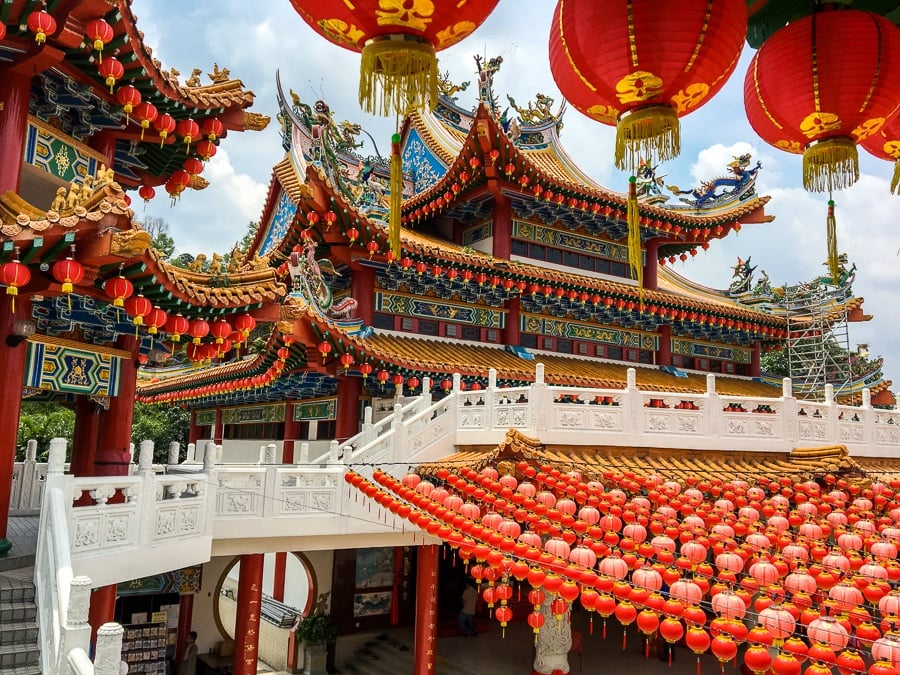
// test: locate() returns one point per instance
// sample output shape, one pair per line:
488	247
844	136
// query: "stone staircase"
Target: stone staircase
19	647
385	655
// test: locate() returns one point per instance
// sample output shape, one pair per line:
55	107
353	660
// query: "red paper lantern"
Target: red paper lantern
156	319
112	71
659	61
822	84
212	128
346	360
885	144
138	307
198	329
365	369
206	149
398	41
145	113
128	97
176	326
193	166
188	129
118	289
244	323
41	24
147	193
99	33
220	329
164	124
68	272
14	275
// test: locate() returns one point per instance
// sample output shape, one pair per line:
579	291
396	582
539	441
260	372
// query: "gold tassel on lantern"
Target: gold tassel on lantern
833	266
647	132
632	217
396	195
397	72
831	164
895	179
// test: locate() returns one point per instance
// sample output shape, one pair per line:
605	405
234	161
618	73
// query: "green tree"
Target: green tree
249	236
43	421
162	240
161	424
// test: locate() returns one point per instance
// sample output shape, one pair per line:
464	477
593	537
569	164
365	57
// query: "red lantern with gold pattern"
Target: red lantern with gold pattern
822	84
68	272
188	129
98	33
14	275
138	307
118	289
212	128
398	40
145	113
112	71
658	62
176	326
41	24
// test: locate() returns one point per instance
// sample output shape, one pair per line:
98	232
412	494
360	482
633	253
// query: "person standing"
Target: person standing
188	665
467	611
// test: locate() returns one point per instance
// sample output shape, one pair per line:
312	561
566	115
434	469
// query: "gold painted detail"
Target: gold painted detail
690	97
892	148
639	86
603	113
130	243
254	121
868	128
414	14
453	34
818	123
341	32
700	38
565	46
789	146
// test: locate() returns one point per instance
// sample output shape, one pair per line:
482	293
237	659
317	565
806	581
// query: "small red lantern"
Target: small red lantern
206	149
138	307
176	326
353	235
324	348
193	166
383	376
198	329
99	33
397	380
112	71
244	323
41	24
118	289
147	193
165	125
14	275
212	128
145	113
412	382
188	129
128	97
68	272
372	247
220	329
365	369
156	319
346	361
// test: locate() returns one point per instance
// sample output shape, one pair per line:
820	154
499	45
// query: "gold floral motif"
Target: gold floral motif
340	31
603	113
789	146
453	34
690	97
868	128
818	123
892	148
414	14
638	86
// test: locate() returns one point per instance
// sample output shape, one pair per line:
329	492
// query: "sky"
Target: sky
255	39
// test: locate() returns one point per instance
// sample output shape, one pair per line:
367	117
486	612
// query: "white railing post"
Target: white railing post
870	436
490	399
303	459
540	402
832	422
147	505
715	417
191	453
174	452
632	406
108	654
368	429
457	382
334	450
22	496
789	407
398	438
77	629
426	393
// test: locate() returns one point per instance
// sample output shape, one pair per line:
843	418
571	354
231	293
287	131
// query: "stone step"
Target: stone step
387	656
24	633
17	586
20	656
17	612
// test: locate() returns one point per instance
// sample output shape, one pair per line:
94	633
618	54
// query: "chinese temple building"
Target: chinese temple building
511	371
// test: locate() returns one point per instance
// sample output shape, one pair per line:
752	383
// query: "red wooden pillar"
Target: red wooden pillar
426	610
218	430
15	89
185	620
362	289
348	393
102	609
280	570
664	355
502	227
651	264
104	142
84	439
194	429
754	359
291	433
512	335
13	360
246	622
114	436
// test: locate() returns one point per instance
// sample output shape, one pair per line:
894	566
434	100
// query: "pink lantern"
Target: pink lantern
828	631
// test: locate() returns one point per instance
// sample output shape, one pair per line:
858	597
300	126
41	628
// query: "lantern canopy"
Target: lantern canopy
658	62
822	84
398	40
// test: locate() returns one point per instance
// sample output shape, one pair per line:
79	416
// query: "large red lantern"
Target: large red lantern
819	86
212	128
176	326
165	124
128	97
188	129
112	71
886	145
206	149
14	275
658	62
198	329
145	113
118	289
220	329
398	40
138	307
155	320
41	24
68	272
99	33
147	193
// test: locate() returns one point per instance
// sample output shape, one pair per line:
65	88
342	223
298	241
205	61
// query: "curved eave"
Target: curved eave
444	141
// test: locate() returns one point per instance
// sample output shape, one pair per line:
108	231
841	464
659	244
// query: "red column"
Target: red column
194	429
104	142
754	359
348	393
362	289
512	334
13	360
426	610
502	228
246	622
218	431
664	355
84	439
114	436
14	91
278	582
103	608
651	265
291	434
185	619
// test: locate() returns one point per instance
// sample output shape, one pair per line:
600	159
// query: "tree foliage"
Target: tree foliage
161	235
161	424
